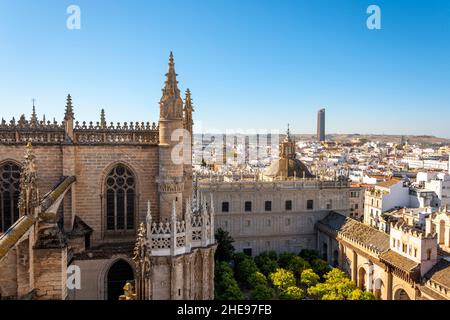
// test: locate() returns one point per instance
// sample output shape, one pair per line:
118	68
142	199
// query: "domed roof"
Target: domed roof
288	168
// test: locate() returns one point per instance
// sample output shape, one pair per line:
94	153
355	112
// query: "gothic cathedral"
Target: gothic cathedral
87	207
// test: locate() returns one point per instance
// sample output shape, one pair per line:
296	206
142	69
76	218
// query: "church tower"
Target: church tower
174	252
171	179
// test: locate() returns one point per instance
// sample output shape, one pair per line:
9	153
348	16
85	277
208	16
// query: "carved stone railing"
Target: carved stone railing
133	133
307	183
54	133
165	240
34	132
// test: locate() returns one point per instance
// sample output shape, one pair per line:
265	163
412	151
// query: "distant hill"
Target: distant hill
423	140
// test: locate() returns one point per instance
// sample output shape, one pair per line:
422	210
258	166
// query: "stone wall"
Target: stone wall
93	163
50	268
8	275
278	229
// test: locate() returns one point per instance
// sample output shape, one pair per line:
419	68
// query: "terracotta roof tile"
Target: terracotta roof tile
399	261
356	230
440	273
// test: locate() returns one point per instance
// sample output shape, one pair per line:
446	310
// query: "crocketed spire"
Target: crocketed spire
171	105
69	109
34	119
187	110
102	119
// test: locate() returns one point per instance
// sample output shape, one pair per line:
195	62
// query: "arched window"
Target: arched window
120	199
9	194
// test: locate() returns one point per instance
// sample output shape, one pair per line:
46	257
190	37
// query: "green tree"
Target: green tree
239	257
256	279
337	286
225	248
358	294
297	265
320	267
245	269
282	279
309	255
226	287
267	262
262	292
284	258
309	278
292	293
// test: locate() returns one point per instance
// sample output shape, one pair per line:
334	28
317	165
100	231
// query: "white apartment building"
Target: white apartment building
382	197
439	183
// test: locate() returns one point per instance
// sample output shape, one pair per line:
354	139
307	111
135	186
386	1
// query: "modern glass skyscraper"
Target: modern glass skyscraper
321	125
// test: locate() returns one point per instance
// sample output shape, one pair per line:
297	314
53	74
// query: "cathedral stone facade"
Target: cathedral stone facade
80	197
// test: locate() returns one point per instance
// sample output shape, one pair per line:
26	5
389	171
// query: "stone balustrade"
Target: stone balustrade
179	237
46	132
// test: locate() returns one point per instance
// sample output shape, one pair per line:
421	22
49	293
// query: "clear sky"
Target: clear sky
249	64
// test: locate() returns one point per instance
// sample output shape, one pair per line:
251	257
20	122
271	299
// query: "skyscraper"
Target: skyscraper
321	125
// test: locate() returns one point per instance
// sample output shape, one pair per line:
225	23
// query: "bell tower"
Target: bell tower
171	178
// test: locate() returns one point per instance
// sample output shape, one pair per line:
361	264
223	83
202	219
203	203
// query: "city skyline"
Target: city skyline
294	58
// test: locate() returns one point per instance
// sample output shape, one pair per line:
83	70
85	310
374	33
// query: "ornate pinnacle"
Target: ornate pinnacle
141	255
148	220
69	109
171	83
102	119
34	119
171	104
174	213
28	199
188	101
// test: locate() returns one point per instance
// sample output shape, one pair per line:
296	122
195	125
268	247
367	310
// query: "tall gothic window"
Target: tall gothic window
9	194
120	199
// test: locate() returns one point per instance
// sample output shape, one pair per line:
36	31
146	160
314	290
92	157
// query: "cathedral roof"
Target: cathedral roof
295	168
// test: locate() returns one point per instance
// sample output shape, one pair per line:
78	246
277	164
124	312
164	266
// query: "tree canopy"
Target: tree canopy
225	248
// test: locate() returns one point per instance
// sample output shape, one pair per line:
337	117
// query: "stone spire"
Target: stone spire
69	109
171	105
187	111
187	119
68	119
34	119
28	200
102	119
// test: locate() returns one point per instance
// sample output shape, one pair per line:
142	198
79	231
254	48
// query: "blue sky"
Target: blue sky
249	64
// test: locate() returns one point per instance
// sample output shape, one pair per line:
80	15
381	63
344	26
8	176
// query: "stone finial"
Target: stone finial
22	120
33	119
174	212
68	120
148	220
187	112
188	101
28	199
102	119
69	115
